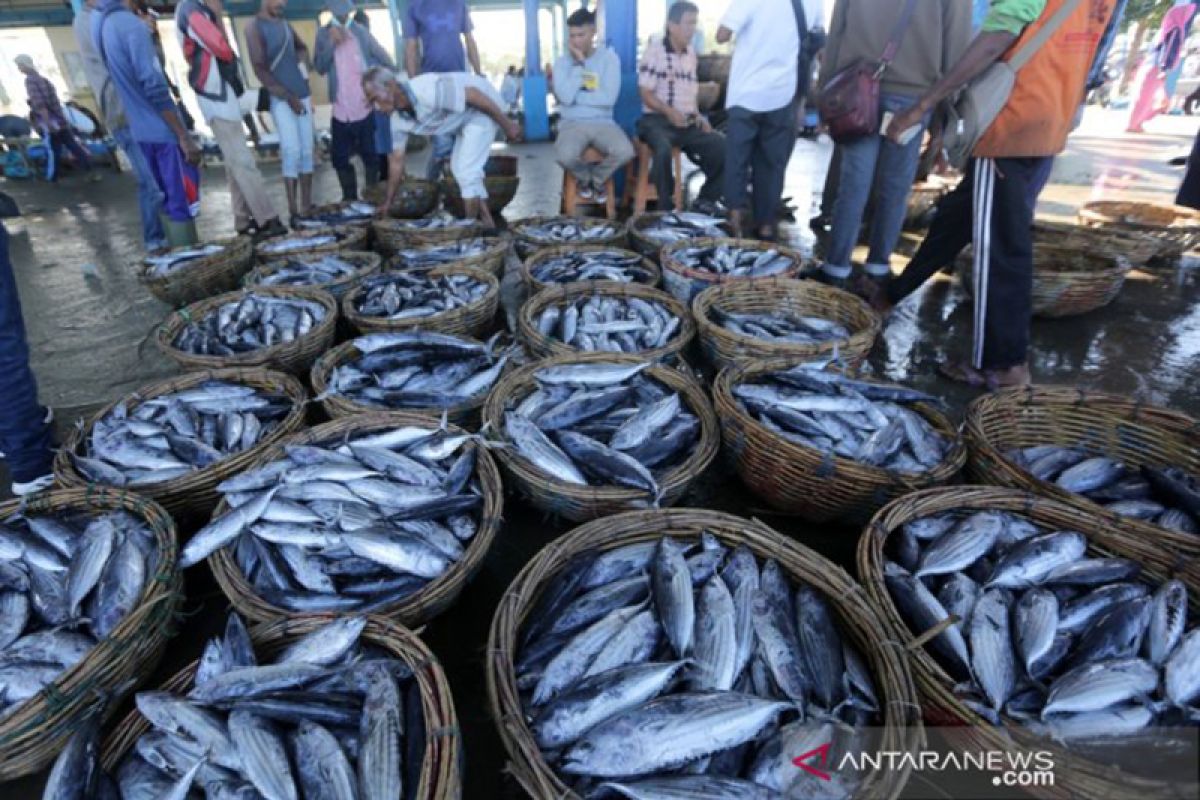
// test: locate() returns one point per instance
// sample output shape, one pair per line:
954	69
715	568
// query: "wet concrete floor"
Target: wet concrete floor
88	320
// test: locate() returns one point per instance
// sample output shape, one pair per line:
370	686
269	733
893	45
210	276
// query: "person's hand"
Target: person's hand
576	53
295	104
512	131
191	150
381	211
903	121
705	125
677	118
337	33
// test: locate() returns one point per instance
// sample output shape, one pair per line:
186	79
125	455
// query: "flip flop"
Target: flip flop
961	372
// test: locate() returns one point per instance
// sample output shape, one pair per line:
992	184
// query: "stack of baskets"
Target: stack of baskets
1136	247
1177	228
473	319
415	198
202	277
685	282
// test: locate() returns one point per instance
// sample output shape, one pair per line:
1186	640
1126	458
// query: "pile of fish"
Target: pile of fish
408	295
317	270
780	326
1071	645
435	255
734	261
667	669
417	369
349	525
355	211
332	716
680	225
602	425
566	230
866	422
611	324
169	436
434	222
600	265
65	583
250	323
296	242
1168	497
167	263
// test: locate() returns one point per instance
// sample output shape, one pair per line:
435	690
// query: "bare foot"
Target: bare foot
875	293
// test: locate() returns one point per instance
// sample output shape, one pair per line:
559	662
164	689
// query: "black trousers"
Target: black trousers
758	147
992	208
1189	192
350	139
705	149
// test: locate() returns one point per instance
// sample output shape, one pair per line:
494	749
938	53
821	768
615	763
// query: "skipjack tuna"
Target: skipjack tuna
565	230
310	271
672	668
250	323
434	255
735	261
356	211
174	434
781	327
433	223
407	295
332	717
609	324
603	265
300	241
679	225
175	260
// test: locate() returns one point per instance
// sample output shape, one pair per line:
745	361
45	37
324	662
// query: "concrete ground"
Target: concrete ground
89	319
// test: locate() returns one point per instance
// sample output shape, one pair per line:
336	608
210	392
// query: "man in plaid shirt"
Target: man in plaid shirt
47	115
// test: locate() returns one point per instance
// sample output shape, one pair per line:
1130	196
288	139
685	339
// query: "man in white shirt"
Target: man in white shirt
443	104
761	131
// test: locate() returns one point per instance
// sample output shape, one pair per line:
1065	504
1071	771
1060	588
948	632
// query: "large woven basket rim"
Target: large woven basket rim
440	321
544	253
369	262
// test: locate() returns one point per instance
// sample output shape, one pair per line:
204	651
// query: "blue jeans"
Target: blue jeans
295	137
24	434
443	147
149	196
879	164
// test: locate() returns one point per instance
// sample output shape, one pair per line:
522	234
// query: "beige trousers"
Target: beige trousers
246	187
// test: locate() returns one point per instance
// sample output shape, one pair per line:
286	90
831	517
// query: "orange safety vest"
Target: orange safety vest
1050	87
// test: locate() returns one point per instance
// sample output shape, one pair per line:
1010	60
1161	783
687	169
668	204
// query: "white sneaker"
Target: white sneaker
586	192
33	487
601	194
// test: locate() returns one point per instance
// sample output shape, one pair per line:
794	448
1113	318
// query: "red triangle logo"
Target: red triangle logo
822	756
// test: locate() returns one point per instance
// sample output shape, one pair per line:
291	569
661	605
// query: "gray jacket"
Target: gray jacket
373	54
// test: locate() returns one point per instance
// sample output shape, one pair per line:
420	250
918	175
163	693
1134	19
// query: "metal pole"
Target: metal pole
620	17
537	116
396	11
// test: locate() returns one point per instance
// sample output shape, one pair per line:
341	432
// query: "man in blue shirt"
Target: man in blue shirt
434	34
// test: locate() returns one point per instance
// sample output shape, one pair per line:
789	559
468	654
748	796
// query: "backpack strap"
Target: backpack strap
1028	50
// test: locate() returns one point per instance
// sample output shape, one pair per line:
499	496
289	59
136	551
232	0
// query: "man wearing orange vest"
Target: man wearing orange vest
993	206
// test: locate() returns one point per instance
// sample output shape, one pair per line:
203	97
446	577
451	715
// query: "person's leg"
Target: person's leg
83	161
1038	181
243	171
573	139
707	150
858	159
365	141
341	145
1189	190
24	432
776	140
164	165
610	140
656	131
149	195
468	163
896	169
306	137
442	147
741	134
287	128
1145	108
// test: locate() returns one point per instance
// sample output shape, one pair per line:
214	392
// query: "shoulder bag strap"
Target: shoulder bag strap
893	46
1029	49
287	42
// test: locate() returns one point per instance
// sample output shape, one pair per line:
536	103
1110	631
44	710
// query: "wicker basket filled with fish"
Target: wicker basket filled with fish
312	707
308	242
453	299
1067	281
649	233
534	233
693	265
605	317
1135	465
594	434
333	215
826	446
415	198
388	514
1177	228
393	235
422	372
284	328
336	272
90	590
551	266
173	441
484	252
1029	627
1135	246
689	653
187	274
785	318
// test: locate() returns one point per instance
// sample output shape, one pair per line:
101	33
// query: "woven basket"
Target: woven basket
542	346
441	769
294	357
1067	281
650	248
579	503
1074	776
531	263
337	406
196	492
203	277
527	245
685	283
350	237
490	260
1107	424
500	180
901	730
470	320
806	482
416	198
32	735
723	347
334	208
367	263
1135	246
416	609
1176	227
393	235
